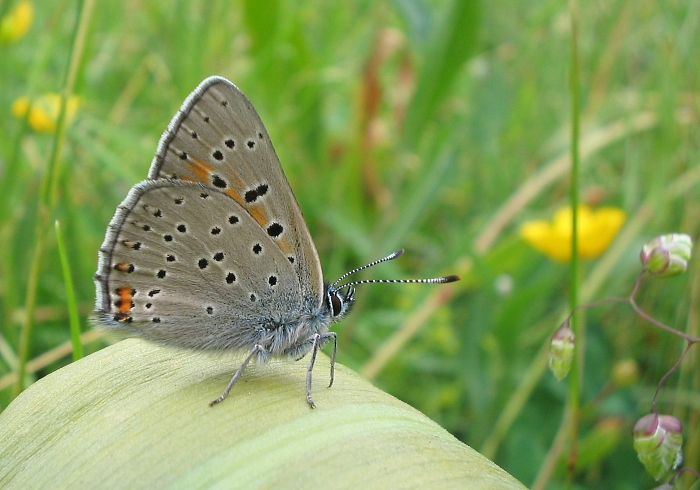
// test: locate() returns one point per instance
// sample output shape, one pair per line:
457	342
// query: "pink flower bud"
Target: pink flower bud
561	351
667	255
658	440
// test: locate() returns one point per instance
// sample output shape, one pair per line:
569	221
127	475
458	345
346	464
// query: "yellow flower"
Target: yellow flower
17	22
596	230
44	112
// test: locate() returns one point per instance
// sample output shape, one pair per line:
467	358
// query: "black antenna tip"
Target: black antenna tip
450	279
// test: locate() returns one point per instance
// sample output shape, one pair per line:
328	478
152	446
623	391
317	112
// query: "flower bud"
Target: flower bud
667	255
658	440
561	351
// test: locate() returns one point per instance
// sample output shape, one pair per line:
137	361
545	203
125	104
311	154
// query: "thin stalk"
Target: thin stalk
575	379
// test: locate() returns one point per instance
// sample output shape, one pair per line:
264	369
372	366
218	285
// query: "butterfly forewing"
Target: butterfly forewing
181	261
218	139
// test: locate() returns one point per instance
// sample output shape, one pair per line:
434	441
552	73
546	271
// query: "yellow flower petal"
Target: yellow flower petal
17	22
596	230
544	237
600	231
44	111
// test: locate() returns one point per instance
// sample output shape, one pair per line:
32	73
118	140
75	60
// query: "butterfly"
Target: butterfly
211	251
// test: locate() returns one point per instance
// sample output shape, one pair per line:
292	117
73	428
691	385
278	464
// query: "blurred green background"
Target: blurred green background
437	126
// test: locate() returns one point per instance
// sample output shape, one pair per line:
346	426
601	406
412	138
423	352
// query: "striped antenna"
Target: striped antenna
392	256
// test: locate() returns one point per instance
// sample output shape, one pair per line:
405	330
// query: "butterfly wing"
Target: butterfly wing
187	265
218	139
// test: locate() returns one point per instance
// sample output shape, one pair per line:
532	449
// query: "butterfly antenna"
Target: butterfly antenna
398	253
389	257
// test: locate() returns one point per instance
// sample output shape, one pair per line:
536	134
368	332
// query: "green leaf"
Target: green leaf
136	414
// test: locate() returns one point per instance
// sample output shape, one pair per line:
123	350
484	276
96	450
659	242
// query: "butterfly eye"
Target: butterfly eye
335	302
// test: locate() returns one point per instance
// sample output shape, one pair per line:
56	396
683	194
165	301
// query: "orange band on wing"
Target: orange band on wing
233	193
284	245
201	169
204	172
258	214
125	303
127	267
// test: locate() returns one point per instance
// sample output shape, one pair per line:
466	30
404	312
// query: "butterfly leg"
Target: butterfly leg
332	335
239	372
318	340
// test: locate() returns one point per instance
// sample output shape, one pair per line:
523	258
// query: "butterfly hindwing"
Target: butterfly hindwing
186	265
218	139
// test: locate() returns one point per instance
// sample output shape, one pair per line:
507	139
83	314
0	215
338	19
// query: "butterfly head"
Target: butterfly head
339	300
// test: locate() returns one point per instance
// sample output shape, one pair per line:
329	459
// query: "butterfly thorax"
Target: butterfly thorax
294	339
